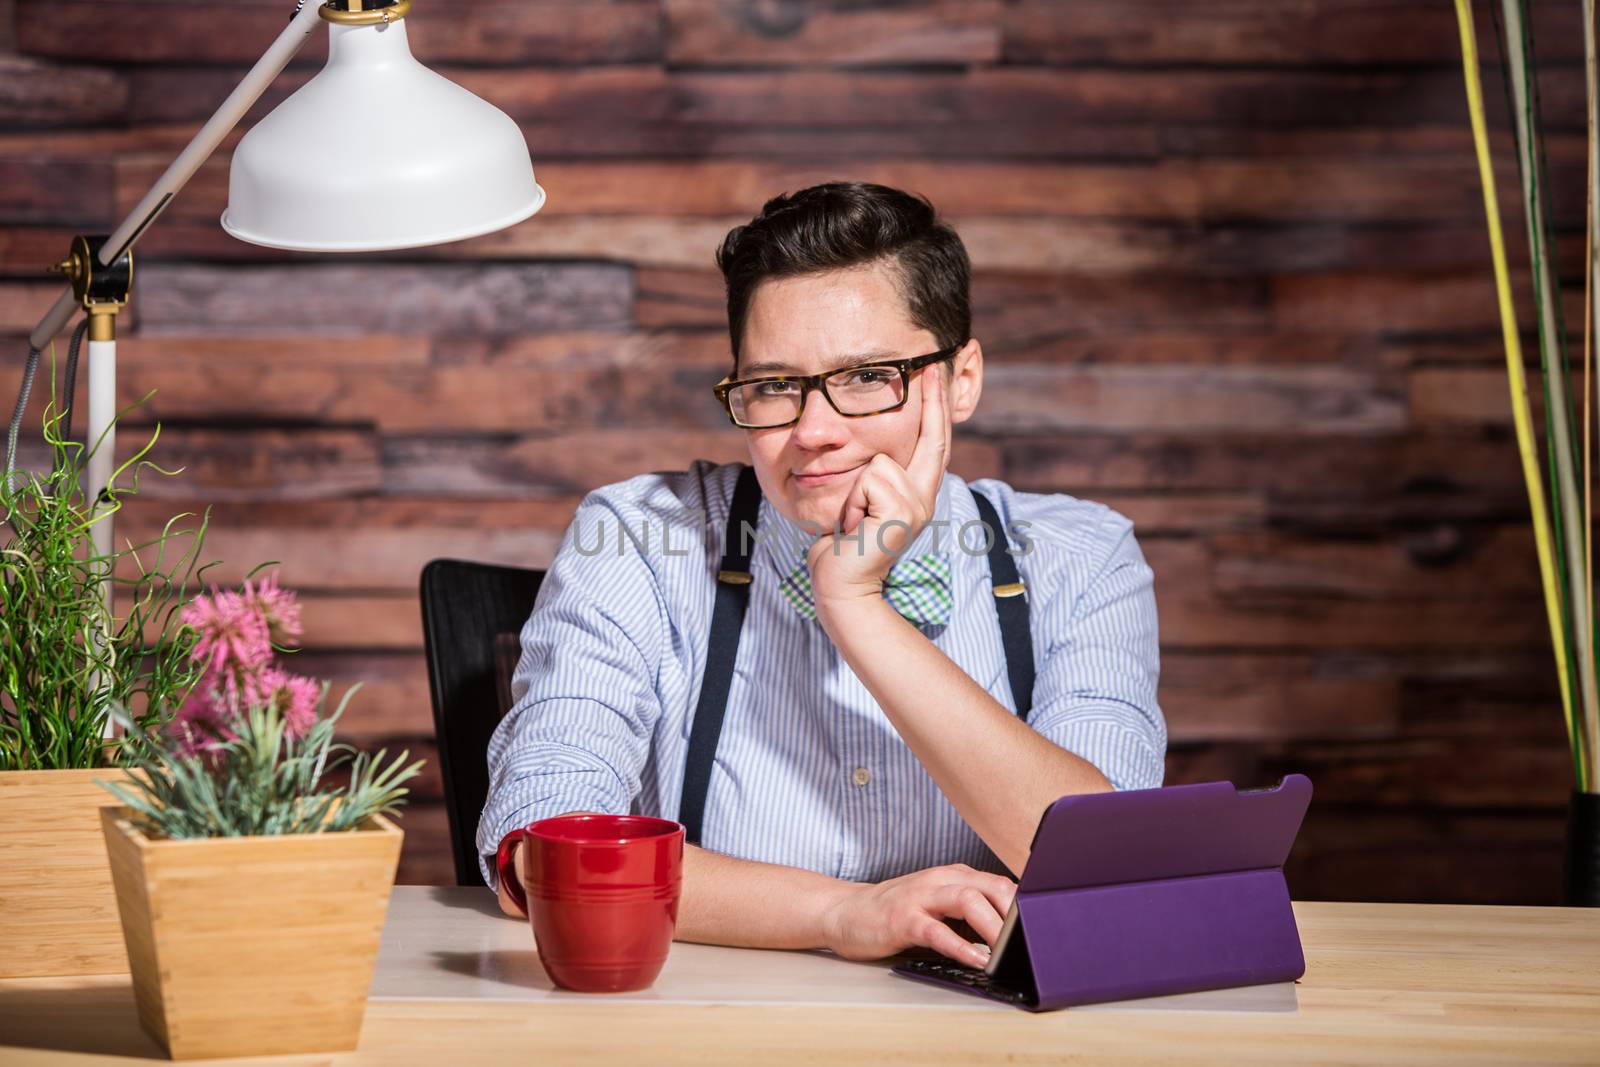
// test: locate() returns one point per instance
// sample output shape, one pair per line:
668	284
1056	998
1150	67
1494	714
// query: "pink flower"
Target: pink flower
234	646
303	697
277	607
294	697
233	635
201	722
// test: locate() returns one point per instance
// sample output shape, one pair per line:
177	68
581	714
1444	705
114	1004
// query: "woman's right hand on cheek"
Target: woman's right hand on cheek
869	922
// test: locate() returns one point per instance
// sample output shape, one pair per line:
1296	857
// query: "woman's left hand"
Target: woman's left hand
887	508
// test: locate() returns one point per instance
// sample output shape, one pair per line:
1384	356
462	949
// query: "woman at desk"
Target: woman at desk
894	718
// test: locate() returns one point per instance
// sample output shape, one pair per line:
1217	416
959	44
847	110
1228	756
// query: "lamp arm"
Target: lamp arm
198	150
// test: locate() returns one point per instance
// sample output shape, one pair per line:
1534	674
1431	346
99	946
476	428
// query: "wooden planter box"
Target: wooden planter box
252	946
58	912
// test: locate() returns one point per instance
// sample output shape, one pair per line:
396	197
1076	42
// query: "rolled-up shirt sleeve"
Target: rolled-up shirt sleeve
1097	635
584	703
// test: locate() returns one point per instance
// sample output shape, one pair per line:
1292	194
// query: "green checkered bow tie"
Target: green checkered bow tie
918	587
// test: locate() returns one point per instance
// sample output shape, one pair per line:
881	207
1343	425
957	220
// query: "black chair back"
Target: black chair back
472	614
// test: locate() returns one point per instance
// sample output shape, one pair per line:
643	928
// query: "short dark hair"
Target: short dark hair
840	225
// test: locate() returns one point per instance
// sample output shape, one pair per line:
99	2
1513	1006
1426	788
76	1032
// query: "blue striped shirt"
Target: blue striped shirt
809	771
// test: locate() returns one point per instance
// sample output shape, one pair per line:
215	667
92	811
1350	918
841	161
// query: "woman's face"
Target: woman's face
820	322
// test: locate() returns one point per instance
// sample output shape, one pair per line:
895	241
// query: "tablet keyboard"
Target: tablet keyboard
946	971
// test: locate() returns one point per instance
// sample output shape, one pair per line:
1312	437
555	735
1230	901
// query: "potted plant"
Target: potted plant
80	631
252	859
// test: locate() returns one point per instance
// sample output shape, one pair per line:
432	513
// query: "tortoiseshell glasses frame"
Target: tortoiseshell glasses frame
807	382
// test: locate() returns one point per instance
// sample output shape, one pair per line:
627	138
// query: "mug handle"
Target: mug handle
508	873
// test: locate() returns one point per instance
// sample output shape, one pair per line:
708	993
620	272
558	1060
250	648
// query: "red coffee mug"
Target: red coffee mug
602	896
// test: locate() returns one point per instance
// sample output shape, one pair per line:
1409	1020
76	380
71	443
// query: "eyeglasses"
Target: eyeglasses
854	392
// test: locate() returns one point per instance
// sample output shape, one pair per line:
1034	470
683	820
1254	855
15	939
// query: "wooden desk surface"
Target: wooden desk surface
458	984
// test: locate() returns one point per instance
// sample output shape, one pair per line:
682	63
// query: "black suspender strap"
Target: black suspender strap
1011	604
727	619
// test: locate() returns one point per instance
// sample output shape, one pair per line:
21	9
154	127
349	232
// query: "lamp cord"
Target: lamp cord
16	416
28	371
72	379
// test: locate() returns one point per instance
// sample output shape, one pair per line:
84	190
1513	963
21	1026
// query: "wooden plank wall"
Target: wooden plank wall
1231	272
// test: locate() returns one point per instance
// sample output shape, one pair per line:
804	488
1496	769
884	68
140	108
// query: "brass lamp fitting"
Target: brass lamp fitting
103	291
364	12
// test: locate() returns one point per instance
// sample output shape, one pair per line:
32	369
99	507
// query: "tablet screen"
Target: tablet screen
1000	942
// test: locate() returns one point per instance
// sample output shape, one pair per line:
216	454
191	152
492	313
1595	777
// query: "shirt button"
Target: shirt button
862	776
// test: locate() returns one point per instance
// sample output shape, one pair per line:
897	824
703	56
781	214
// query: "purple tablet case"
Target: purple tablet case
1150	892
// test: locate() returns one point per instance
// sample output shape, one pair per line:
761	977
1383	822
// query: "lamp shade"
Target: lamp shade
378	152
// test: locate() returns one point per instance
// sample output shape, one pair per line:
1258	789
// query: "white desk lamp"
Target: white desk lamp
375	152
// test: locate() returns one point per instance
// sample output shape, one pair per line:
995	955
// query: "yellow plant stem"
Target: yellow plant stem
1515	374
